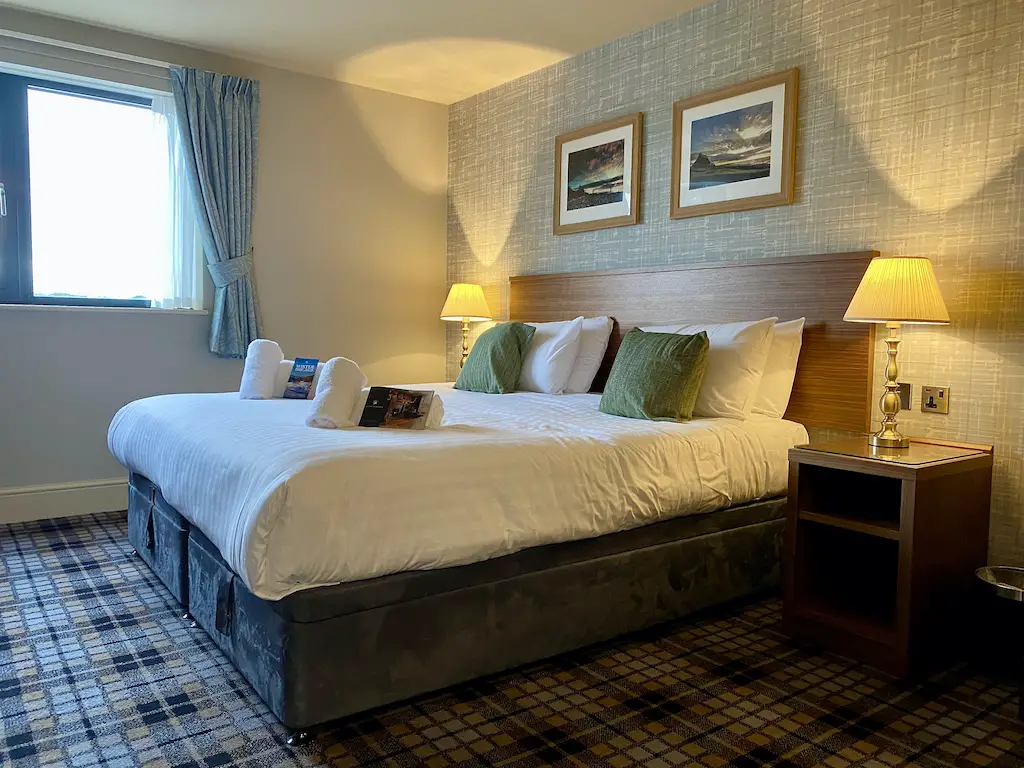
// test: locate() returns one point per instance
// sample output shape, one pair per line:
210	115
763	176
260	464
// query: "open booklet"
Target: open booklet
396	408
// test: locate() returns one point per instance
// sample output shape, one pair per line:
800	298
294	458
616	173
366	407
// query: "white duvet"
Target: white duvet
291	507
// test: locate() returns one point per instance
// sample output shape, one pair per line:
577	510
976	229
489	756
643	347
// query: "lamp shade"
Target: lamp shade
466	302
900	289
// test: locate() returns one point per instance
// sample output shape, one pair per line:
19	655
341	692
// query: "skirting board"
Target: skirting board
41	502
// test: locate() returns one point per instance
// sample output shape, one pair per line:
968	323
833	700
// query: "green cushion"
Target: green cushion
656	376
496	360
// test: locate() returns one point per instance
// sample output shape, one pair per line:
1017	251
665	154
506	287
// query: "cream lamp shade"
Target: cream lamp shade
895	290
466	302
898	289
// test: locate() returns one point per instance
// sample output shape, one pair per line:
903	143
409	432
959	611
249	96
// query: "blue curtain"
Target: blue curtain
218	117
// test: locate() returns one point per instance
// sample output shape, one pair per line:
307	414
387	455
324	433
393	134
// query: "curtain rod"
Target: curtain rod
85	49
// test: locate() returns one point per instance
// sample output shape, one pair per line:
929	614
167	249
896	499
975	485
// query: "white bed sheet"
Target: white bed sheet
291	507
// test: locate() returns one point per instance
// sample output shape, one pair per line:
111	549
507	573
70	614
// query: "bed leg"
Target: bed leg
187	617
298	738
135	552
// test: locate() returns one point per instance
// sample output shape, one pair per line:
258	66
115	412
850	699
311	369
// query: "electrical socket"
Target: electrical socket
935	399
906	396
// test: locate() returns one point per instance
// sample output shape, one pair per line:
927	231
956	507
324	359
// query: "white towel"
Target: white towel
284	370
337	394
260	372
436	413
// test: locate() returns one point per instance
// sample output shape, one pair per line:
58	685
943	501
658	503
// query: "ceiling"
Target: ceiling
439	50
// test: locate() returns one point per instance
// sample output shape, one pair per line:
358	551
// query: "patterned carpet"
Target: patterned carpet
97	668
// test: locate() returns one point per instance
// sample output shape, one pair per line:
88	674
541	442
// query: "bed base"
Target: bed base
329	652
159	535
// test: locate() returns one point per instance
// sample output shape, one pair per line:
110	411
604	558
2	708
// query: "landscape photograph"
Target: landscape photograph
731	146
595	175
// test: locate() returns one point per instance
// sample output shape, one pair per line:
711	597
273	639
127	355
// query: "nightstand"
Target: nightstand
881	547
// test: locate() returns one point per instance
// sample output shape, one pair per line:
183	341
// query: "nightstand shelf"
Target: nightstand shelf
881	547
850	523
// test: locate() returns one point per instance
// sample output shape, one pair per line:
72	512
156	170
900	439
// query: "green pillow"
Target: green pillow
496	360
656	376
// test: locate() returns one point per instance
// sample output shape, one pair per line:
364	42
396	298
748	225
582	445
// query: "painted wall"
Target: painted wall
349	240
910	134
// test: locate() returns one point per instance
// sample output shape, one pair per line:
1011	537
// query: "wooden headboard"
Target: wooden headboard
833	381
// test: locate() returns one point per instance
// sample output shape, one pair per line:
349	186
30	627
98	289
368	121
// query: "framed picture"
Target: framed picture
597	176
734	149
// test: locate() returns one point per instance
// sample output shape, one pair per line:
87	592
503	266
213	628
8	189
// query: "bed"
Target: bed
341	570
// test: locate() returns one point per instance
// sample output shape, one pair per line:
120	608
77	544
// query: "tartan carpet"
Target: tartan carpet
98	668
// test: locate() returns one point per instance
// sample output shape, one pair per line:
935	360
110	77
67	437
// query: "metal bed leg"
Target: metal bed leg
299	738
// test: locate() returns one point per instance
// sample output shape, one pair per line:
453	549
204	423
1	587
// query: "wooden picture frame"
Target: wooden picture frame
723	121
613	144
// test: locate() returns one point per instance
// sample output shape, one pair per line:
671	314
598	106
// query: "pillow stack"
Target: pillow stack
750	366
668	372
737	355
552	358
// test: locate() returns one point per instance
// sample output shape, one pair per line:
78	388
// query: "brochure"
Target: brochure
300	381
396	408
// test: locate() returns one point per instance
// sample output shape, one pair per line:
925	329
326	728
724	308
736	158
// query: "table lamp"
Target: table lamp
895	290
465	302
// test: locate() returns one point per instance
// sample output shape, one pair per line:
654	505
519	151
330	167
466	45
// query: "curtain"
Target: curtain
181	284
218	117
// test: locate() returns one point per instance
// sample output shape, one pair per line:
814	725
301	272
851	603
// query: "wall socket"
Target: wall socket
935	399
905	396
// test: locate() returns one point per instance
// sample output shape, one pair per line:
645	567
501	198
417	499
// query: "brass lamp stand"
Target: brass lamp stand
889	436
465	342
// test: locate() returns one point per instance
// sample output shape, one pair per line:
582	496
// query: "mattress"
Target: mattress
292	508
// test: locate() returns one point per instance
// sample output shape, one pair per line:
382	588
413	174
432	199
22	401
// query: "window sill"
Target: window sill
116	310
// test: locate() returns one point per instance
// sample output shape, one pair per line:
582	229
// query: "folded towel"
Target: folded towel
261	363
284	370
337	394
436	413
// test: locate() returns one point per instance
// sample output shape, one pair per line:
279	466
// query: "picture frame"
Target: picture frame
734	149
597	176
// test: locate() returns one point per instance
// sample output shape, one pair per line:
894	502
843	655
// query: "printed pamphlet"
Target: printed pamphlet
300	381
396	408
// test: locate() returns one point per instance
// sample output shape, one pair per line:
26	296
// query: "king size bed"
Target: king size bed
341	570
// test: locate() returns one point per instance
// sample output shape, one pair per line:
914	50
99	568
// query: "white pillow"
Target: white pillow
736	359
284	370
594	337
551	355
780	370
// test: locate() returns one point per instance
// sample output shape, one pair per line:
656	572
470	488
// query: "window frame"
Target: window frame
16	228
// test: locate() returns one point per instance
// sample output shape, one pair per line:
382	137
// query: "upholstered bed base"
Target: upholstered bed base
159	535
328	652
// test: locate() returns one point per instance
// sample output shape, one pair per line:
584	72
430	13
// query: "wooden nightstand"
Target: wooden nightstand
881	548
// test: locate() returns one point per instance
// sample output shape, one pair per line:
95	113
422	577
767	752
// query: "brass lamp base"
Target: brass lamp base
465	342
888	436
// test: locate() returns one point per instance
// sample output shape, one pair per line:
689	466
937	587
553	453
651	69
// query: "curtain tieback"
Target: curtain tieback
224	273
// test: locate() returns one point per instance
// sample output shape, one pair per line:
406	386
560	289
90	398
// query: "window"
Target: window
90	210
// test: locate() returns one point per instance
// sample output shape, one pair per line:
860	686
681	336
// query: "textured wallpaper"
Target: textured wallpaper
910	139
